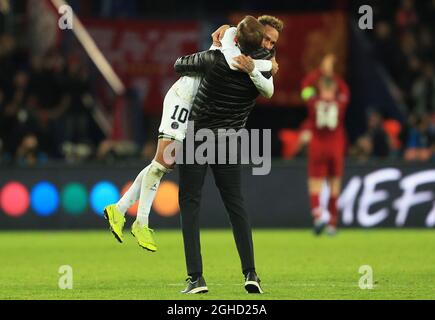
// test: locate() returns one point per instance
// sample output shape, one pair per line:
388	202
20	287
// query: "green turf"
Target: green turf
292	265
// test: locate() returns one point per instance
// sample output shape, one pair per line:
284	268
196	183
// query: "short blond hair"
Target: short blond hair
250	34
272	21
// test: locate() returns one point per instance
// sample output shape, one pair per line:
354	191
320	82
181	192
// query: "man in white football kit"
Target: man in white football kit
176	109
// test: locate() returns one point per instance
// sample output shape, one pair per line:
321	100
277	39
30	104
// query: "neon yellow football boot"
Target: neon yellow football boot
144	237
116	221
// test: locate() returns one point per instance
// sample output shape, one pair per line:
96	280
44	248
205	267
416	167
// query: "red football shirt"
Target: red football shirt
326	119
327	147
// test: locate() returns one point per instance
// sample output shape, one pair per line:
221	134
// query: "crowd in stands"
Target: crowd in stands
45	105
403	41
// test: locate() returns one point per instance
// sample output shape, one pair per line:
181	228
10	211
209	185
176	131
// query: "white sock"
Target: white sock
150	184
133	193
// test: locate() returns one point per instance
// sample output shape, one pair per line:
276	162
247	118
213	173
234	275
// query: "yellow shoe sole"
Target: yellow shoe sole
117	237
148	247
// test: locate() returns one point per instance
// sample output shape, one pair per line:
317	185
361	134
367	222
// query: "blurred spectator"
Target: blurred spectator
423	91
426	43
7	67
375	143
420	140
385	46
20	128
48	98
406	16
77	119
408	65
394	129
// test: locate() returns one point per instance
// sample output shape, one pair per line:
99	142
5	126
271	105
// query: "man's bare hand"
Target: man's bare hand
219	34
275	66
244	63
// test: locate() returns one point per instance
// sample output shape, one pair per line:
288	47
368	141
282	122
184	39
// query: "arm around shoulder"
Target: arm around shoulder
195	64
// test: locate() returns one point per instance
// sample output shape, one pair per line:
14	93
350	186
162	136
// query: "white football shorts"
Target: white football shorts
176	108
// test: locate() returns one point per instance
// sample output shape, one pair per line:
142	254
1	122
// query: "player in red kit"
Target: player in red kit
327	105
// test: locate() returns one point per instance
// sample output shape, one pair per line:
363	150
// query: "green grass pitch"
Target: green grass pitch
293	264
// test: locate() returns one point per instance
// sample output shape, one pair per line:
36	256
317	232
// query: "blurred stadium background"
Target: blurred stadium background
70	144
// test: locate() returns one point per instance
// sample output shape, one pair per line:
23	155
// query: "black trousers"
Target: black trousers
228	181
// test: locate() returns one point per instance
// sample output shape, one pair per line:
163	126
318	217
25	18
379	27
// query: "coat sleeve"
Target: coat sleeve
196	64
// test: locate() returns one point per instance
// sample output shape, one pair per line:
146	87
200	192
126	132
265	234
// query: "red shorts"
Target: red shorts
326	162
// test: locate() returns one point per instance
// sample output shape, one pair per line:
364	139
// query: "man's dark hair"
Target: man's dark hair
250	34
272	21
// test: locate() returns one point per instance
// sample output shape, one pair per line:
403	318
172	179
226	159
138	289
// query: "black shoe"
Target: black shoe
252	283
199	286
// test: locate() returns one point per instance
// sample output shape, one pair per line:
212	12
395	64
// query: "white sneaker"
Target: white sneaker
321	220
331	231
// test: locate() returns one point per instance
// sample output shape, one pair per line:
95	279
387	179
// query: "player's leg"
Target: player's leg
151	175
133	193
335	187
115	213
228	181
317	172
144	185
191	181
170	133
172	130
335	180
315	185
150	183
